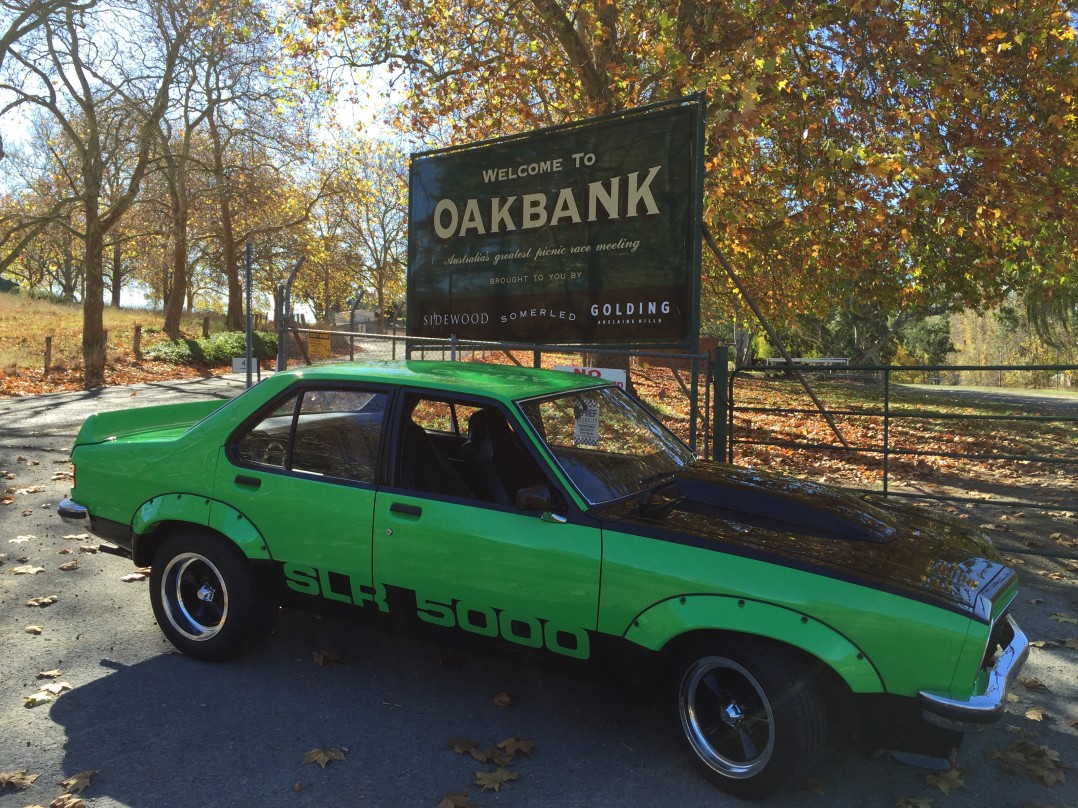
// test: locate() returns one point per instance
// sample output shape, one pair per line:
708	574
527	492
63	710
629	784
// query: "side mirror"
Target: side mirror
538	498
534	498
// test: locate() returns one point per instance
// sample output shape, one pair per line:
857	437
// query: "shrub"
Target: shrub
217	349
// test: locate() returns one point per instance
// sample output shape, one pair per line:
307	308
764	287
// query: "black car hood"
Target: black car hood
793	522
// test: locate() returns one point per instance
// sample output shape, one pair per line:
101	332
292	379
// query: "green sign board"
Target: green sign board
588	233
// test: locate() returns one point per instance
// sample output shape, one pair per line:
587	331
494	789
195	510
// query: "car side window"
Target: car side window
266	443
463	449
332	433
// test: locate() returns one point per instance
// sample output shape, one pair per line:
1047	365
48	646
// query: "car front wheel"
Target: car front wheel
205	596
749	716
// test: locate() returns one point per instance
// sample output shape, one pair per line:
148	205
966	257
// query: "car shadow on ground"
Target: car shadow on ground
173	731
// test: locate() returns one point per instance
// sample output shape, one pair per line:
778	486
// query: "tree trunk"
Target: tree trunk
177	295
234	319
117	274
93	325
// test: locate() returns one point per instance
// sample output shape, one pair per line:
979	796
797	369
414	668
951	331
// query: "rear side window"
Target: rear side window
331	433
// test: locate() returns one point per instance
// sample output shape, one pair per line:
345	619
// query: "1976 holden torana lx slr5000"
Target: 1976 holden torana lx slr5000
555	515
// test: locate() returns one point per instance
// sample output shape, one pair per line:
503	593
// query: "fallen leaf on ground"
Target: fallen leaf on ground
34	489
69	566
1036	714
322	756
67	801
1034	760
493	781
19	779
20	539
77	783
56	688
480	755
1059	617
132	576
947	781
27	569
456	801
462	745
36	700
89	548
78	537
323	658
503	700
34	629
1071	642
55	673
914	802
45	600
513	745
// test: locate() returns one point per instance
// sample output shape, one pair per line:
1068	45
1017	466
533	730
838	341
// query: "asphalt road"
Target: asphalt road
163	730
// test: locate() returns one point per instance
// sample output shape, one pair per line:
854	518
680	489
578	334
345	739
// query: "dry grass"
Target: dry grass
25	323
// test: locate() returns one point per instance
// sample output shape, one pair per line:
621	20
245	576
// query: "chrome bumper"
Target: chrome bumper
978	712
73	513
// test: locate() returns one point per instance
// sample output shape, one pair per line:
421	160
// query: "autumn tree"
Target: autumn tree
918	155
371	201
78	68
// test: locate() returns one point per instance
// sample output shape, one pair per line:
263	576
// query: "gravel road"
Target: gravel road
161	730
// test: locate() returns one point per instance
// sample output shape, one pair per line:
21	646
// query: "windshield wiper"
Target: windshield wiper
660	481
657	477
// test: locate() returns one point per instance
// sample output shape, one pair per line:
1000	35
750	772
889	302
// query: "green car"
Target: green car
553	514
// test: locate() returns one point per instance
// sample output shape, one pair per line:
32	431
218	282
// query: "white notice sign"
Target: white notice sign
606	374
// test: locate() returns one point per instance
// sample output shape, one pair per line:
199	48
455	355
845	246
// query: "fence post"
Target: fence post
886	427
694	399
48	354
721	405
138	342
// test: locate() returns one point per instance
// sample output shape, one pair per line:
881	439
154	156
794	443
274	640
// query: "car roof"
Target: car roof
508	382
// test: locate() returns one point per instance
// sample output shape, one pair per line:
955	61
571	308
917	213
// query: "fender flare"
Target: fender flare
198	510
663	622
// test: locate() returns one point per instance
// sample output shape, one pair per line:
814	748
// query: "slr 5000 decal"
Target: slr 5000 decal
528	631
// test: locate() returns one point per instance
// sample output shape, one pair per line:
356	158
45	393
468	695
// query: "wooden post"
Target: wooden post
205	327
138	342
48	354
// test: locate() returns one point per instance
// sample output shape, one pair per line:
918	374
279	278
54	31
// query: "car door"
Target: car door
303	471
459	555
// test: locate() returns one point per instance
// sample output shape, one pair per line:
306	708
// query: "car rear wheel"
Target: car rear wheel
205	596
749	716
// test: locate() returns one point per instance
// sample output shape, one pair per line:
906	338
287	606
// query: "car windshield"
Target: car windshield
606	442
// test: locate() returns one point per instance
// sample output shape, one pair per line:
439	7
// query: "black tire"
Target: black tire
748	715
205	596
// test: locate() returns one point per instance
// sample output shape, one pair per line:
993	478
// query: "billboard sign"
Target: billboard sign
587	233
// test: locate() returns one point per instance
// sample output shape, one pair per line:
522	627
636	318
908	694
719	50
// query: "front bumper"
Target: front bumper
979	712
73	513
